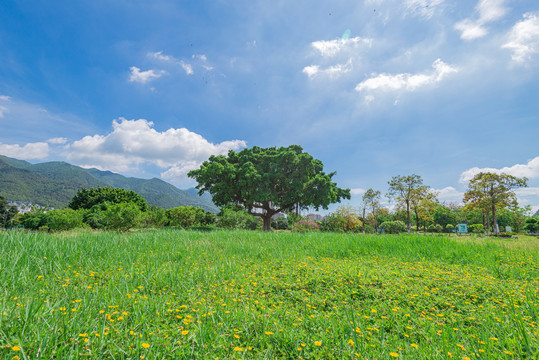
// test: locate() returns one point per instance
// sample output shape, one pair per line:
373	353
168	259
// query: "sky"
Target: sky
374	88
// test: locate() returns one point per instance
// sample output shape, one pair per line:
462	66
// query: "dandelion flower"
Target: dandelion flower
318	343
185	332
269	333
16	348
392	354
145	345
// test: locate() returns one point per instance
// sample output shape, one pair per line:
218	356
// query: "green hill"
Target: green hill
55	183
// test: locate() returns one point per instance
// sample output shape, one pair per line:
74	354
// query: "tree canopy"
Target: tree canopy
407	190
266	181
491	192
87	198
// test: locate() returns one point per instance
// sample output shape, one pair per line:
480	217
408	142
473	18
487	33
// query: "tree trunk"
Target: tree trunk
267	223
416	222
364	222
488	224
494	219
408	214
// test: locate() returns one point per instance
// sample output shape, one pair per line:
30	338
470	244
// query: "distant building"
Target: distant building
24	207
315	217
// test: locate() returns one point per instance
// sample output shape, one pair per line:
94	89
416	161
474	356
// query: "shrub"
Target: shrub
393	227
305	226
532	225
333	222
477	228
67	219
369	229
281	223
241	219
449	228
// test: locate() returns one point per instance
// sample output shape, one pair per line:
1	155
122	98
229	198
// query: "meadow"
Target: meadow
173	294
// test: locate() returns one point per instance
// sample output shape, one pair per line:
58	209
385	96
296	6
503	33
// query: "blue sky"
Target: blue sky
373	88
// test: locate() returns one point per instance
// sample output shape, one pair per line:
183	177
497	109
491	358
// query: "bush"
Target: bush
369	229
119	217
241	219
333	223
305	226
532	225
88	198
449	228
67	219
281	223
477	228
393	227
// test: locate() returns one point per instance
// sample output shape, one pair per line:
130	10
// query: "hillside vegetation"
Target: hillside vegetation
55	183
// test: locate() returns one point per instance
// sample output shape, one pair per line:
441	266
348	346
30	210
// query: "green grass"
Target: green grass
172	294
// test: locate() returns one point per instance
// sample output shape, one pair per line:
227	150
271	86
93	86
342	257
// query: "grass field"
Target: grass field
169	294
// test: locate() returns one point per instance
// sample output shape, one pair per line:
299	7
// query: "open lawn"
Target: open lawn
167	294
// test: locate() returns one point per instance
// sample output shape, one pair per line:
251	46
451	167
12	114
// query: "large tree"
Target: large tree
266	181
407	189
371	201
492	192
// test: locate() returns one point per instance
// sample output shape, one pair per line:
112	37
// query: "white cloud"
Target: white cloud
5	98
332	47
358	191
160	56
135	142
332	71
527	191
2	110
486	11
38	150
407	81
424	8
200	60
523	39
449	193
144	76
187	68
57	140
529	170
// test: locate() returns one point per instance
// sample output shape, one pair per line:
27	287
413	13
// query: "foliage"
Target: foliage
332	223
393	227
371	201
477	228
369	229
532	225
280	223
87	198
66	219
348	218
449	228
6	212
240	219
187	216
491	192
305	226
155	216
407	191
118	217
266	181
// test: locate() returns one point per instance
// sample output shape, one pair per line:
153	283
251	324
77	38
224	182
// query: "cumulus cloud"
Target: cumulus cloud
523	39
57	140
529	170
5	98
487	11
144	76
2	110
331	48
38	150
331	71
407	81
135	142
450	194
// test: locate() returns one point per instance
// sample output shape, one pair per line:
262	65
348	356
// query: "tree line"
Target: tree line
256	184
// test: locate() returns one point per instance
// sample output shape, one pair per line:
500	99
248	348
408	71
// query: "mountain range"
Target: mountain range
55	183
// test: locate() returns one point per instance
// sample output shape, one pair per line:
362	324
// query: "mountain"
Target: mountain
55	183
537	213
